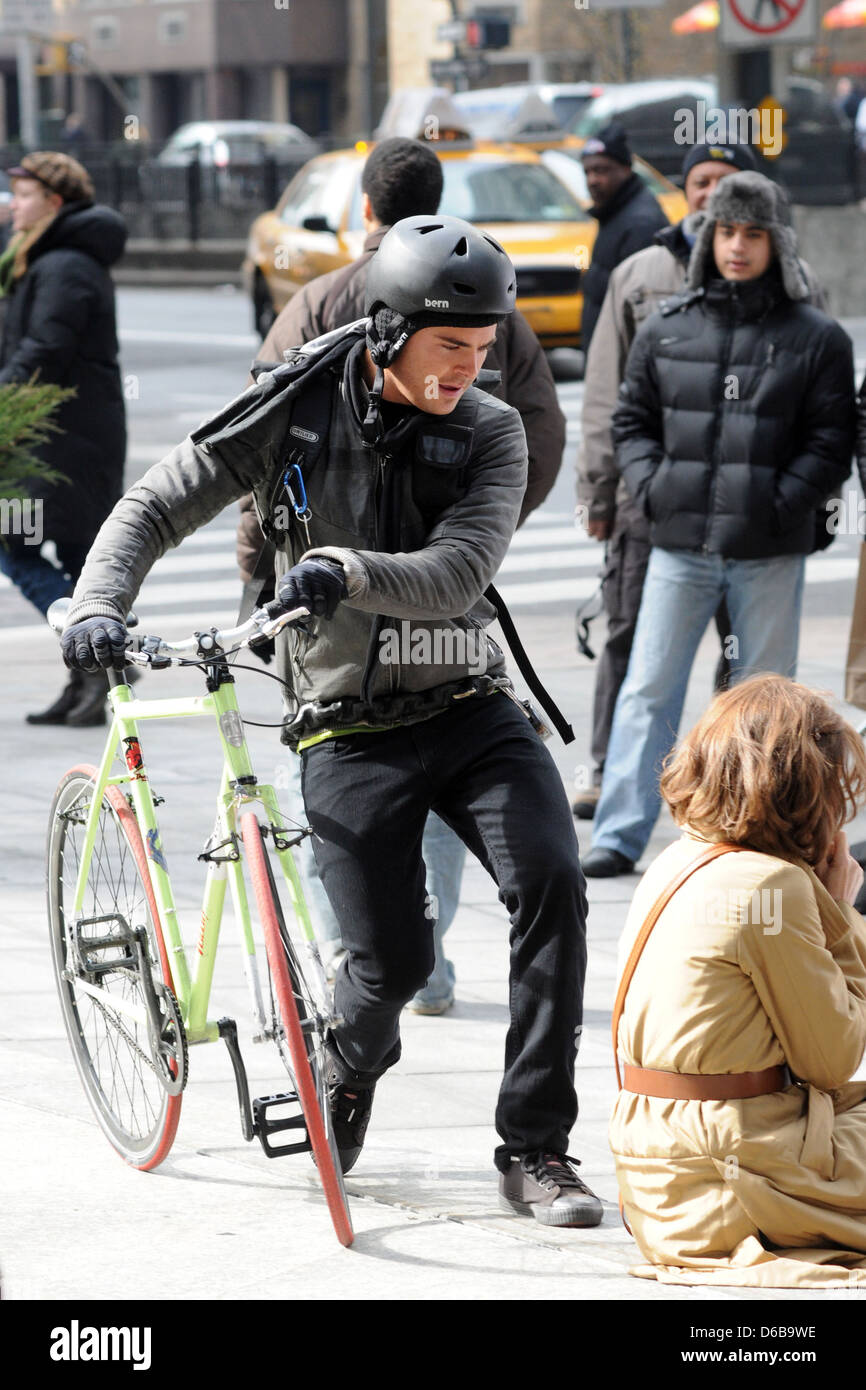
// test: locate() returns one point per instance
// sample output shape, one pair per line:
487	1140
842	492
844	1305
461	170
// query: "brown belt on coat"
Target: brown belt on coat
676	1085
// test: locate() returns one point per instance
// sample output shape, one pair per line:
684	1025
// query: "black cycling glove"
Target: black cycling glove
316	584
95	643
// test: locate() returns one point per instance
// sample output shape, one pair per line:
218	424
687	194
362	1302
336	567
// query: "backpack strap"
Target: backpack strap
525	667
303	446
304	443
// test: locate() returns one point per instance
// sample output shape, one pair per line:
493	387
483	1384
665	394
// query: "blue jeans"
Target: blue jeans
681	594
39	580
444	856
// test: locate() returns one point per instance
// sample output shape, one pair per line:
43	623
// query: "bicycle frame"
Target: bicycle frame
239	789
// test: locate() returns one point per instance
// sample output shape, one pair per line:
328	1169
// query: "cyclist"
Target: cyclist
402	178
411	510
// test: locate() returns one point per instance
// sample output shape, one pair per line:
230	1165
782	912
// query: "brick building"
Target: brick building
318	63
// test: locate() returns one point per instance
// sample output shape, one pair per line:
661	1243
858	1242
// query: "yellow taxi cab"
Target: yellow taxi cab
509	191
317	227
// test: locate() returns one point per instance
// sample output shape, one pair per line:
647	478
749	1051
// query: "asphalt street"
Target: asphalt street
76	1223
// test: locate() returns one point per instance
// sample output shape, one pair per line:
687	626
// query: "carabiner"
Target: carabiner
300	507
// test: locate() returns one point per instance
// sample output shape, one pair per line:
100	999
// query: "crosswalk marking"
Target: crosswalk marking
548	563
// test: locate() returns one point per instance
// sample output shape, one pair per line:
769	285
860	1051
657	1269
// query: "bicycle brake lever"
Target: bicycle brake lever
144	651
276	617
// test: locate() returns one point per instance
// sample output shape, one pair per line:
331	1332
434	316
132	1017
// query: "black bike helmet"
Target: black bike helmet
435	270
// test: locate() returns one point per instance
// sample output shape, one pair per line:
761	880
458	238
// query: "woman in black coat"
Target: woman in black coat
59	326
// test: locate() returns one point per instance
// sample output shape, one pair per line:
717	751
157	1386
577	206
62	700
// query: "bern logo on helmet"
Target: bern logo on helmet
437	303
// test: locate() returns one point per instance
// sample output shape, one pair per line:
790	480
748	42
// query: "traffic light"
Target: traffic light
61	54
55	58
487	32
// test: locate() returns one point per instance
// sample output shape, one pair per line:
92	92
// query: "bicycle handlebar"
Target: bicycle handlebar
264	623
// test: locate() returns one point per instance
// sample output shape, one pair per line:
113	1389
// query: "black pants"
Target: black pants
626	561
479	766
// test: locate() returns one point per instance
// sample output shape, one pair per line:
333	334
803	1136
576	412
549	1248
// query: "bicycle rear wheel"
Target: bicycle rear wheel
303	1030
133	1072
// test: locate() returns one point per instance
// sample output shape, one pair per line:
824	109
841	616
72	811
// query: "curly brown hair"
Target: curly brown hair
770	765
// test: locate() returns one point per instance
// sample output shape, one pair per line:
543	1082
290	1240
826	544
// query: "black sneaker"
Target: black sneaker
351	1107
545	1185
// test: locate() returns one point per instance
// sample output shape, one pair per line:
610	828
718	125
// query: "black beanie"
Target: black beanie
612	141
737	156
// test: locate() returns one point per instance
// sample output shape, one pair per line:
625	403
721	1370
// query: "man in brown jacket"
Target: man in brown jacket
636	289
401	178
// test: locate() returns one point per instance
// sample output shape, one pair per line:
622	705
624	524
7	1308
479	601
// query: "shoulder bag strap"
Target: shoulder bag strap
655	912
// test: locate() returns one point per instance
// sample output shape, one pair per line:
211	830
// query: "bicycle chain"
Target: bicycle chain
117	1023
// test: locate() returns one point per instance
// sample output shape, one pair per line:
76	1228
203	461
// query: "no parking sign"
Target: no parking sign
761	23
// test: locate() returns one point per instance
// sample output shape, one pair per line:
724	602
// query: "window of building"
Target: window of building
171	28
104	33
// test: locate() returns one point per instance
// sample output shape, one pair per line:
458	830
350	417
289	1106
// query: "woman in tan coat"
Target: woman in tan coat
757	964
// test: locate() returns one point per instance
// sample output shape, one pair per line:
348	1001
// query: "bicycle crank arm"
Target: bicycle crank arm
228	1031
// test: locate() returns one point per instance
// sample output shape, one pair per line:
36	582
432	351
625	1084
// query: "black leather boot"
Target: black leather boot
90	706
66	700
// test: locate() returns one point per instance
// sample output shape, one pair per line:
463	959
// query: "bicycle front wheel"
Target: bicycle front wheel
305	1048
132	1068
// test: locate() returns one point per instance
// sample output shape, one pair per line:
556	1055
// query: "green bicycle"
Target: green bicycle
130	1004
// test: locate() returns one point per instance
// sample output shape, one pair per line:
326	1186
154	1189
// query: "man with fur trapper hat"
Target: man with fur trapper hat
735	424
637	289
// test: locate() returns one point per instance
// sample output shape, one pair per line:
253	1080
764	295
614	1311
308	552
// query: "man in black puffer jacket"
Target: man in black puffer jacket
628	217
59	326
735	424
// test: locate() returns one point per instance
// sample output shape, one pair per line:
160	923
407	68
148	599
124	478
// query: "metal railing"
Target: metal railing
192	202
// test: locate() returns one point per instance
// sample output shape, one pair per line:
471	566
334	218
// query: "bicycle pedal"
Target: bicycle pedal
265	1126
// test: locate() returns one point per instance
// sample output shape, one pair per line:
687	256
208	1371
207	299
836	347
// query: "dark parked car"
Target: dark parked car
221	144
817	164
225	168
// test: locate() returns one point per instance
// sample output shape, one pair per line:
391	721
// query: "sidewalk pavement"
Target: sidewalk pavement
219	1220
